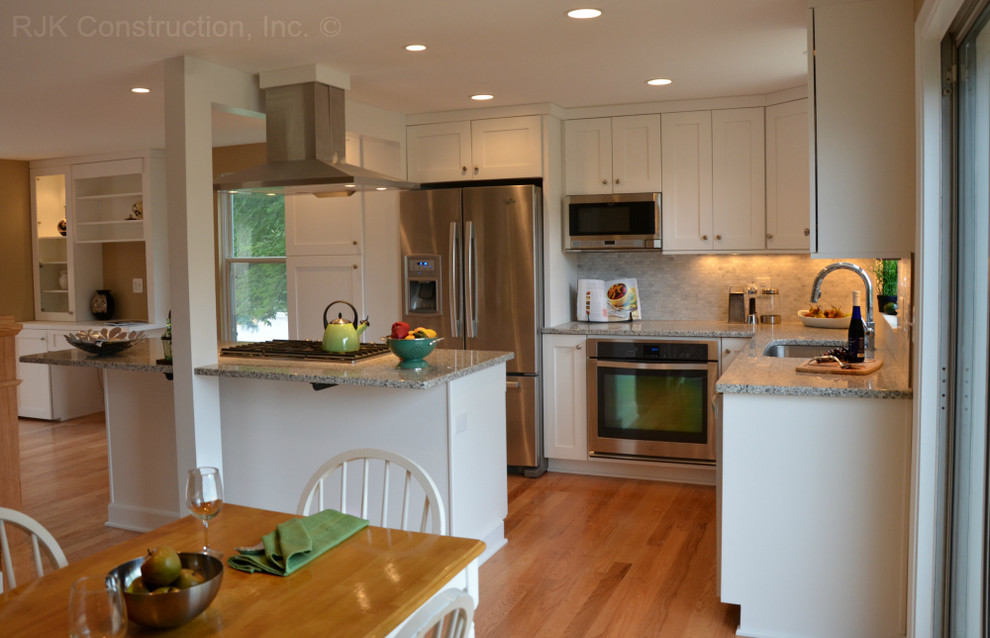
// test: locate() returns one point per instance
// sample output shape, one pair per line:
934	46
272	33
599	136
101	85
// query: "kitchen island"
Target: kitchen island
277	429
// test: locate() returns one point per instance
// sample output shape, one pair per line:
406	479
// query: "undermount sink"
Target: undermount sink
797	350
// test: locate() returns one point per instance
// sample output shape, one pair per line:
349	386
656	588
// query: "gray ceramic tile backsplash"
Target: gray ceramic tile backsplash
696	287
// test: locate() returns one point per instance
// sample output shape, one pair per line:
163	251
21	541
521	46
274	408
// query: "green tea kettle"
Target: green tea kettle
341	335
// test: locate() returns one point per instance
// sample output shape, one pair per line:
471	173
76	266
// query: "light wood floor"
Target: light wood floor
587	556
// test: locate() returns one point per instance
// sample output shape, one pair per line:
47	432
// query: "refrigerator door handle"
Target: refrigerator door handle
455	303
471	279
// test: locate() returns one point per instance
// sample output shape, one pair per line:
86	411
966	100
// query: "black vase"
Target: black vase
883	300
102	305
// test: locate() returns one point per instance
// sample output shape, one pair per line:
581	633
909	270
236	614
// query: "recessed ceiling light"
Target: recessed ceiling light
380	188
583	14
658	82
482	96
140	89
350	186
415	47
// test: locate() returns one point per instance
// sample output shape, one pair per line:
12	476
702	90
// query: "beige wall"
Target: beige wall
16	284
122	263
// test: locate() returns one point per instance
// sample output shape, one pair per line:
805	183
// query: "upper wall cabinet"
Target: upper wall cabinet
116	233
863	138
612	155
787	176
714	180
500	148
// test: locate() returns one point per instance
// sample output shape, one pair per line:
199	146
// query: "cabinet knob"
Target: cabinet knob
355	242
578	346
464	170
475	169
704	237
355	266
727	351
806	232
605	181
769	235
719	237
617	181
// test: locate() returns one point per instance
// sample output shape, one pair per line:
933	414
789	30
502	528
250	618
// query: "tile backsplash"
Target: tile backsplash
696	287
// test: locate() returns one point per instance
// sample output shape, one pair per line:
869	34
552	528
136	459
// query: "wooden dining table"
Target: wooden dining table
366	586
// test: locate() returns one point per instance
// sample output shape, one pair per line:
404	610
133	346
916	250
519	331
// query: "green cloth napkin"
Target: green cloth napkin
297	541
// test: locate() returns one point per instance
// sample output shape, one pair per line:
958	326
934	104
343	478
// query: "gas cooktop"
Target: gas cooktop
297	349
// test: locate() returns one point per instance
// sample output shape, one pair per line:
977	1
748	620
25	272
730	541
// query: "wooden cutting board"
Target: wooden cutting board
831	367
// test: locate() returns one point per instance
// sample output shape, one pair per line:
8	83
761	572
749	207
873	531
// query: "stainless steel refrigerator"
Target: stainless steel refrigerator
473	271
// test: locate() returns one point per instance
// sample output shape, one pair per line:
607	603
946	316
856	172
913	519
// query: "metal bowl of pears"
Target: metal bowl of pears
150	603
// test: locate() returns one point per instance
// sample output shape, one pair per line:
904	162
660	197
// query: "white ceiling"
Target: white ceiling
67	66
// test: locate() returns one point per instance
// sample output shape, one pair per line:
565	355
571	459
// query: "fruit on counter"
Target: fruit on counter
424	333
188	578
137	586
832	313
160	567
399	330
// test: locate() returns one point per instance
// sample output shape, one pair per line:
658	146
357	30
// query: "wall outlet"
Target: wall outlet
137	284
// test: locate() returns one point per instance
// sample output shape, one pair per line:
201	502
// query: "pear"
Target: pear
160	567
137	586
188	578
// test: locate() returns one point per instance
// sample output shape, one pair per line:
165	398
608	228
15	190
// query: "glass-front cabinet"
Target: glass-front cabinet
99	224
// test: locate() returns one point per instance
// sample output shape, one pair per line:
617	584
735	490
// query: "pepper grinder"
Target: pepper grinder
751	299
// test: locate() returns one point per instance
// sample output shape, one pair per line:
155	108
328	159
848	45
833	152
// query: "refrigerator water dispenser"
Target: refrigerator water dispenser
423	284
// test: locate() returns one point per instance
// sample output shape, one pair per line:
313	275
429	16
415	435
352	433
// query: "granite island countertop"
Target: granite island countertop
381	371
753	373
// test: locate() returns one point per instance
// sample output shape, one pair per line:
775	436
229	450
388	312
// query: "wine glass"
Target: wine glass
96	608
204	498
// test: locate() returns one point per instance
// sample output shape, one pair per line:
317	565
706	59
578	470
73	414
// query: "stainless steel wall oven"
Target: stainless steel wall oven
652	399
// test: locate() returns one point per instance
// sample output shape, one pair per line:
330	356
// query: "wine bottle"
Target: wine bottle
855	350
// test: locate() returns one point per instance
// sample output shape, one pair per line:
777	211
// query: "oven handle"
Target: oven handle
630	365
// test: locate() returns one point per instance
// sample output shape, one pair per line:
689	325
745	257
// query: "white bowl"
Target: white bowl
822	322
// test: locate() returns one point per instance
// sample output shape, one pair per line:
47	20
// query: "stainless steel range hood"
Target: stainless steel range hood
305	148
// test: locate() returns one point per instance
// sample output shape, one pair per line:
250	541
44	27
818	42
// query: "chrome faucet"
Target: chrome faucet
816	292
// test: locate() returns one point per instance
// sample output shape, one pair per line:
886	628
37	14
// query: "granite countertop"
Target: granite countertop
141	357
381	371
752	373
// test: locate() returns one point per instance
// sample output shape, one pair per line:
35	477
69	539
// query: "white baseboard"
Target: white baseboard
494	540
138	519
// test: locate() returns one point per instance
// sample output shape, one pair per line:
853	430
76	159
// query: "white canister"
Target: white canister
63	280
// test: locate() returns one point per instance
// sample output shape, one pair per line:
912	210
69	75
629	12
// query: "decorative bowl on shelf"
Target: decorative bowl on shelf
173	608
412	351
823	322
105	342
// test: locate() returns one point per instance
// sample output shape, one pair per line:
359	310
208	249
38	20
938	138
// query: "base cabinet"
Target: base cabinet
54	392
815	546
565	402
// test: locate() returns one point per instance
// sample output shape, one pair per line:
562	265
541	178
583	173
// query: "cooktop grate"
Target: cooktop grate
297	349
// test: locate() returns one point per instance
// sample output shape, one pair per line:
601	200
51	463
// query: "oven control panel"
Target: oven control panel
674	351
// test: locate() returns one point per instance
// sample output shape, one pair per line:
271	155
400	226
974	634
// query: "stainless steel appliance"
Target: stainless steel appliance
652	399
473	270
622	221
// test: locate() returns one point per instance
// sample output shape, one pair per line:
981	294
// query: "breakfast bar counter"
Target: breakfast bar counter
282	419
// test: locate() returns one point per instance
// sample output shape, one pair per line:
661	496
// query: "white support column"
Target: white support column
192	88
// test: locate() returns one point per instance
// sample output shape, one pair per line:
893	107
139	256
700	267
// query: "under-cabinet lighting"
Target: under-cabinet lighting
658	82
415	47
381	188
482	96
140	89
583	14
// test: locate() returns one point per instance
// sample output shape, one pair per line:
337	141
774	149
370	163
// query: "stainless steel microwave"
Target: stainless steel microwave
623	221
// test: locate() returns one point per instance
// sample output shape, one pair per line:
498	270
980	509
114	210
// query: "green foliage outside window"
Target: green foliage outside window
259	290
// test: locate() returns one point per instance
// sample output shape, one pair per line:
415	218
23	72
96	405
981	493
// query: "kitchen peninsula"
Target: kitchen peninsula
281	419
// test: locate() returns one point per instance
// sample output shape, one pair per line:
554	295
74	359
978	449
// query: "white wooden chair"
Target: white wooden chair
389	470
37	532
449	614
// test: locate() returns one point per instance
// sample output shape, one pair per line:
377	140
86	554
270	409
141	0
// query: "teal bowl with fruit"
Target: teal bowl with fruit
412	352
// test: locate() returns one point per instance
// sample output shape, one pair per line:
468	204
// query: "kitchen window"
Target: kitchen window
253	290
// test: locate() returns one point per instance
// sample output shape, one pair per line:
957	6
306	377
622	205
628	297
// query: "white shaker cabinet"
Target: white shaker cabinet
863	138
713	177
54	392
788	175
498	148
612	155
687	180
316	280
739	182
565	397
